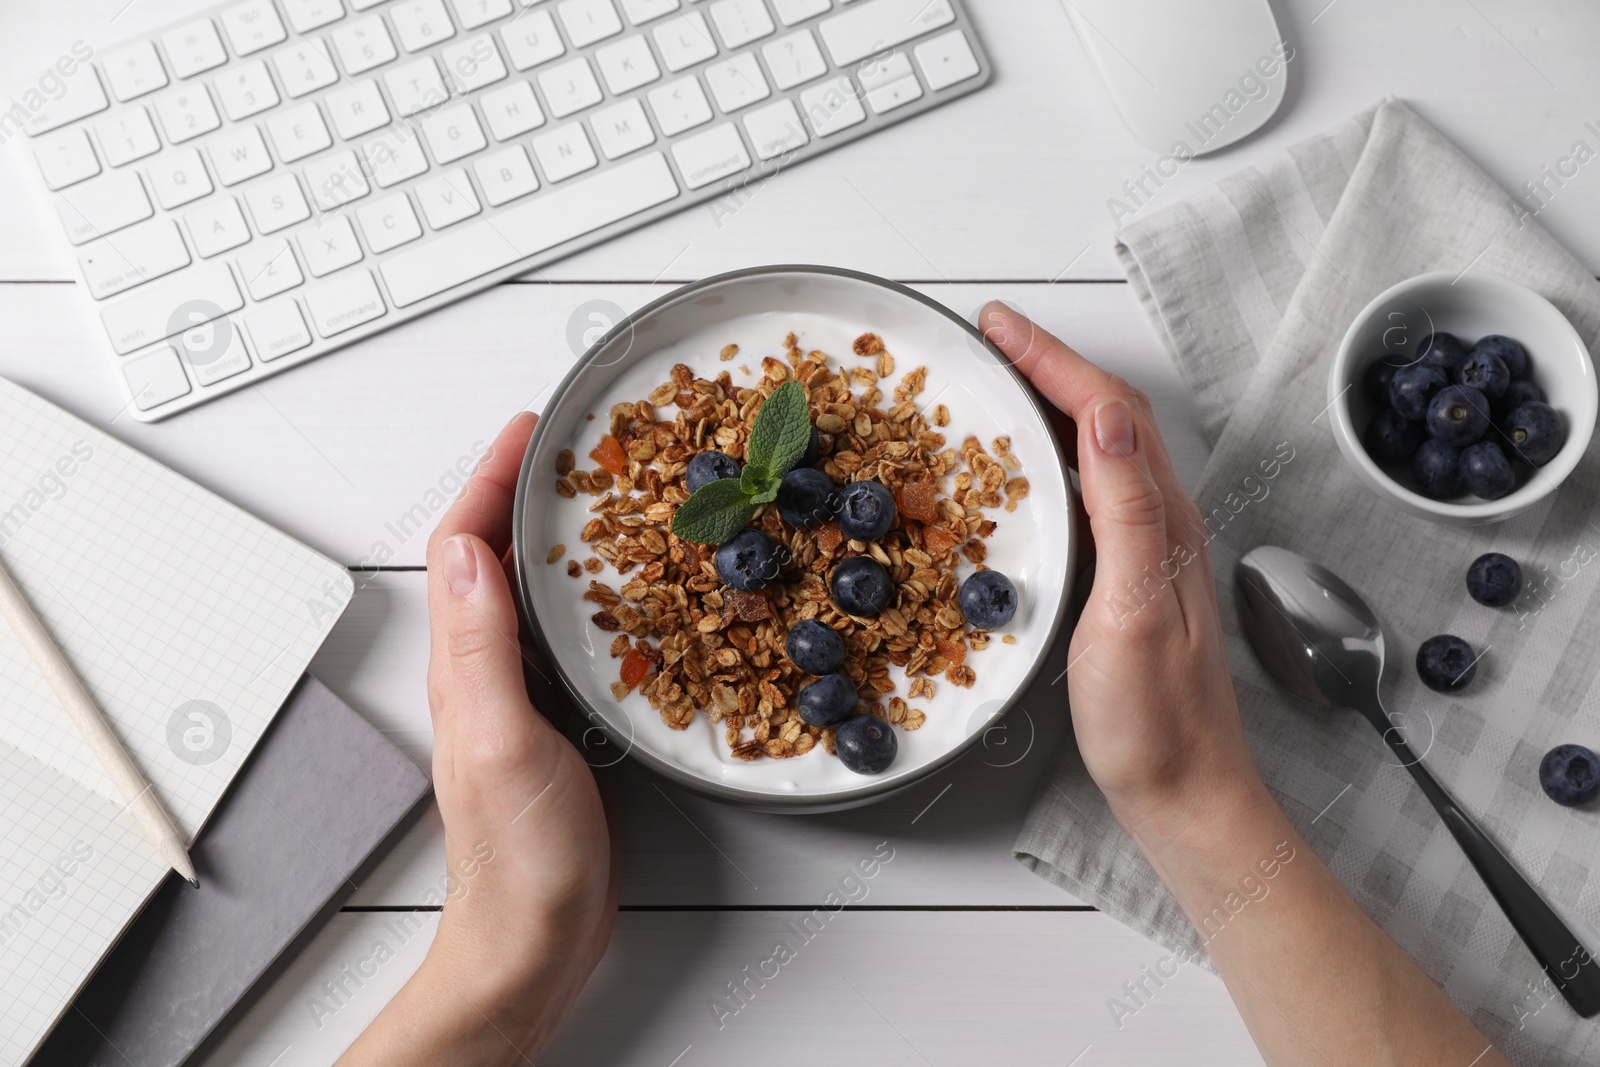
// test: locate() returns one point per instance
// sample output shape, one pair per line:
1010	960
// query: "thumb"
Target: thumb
1126	511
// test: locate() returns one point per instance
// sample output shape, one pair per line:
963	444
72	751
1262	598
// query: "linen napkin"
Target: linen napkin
1252	284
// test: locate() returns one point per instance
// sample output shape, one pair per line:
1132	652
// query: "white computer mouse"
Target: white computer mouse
1187	76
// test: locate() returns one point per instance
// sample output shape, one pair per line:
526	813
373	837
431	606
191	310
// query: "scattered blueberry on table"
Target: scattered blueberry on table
866	510
1494	579
804	496
827	701
1446	663
709	466
1570	775
866	744
748	561
814	647
988	599
861	586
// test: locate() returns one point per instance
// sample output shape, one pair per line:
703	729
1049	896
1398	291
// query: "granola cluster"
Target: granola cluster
690	643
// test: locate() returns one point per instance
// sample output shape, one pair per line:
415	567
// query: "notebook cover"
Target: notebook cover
322	793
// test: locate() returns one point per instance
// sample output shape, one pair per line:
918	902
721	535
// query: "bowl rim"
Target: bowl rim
1341	382
774	801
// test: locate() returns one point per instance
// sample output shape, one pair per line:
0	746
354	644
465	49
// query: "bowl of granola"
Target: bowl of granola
794	537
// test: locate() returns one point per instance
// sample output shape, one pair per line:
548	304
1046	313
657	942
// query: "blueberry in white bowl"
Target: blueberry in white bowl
1458	415
1390	438
709	466
814	647
866	510
1442	350
866	744
805	497
1486	472
861	586
988	599
1436	469
1509	352
827	701
1535	432
748	561
1411	389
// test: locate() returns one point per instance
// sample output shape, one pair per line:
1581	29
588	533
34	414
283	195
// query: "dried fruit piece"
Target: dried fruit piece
748	607
937	540
610	455
634	667
953	650
918	500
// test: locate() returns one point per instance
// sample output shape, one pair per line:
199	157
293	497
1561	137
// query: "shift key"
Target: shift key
172	305
863	29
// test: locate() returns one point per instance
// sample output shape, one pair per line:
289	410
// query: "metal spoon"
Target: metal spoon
1316	636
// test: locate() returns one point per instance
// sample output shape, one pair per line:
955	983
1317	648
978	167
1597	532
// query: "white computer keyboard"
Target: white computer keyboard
274	179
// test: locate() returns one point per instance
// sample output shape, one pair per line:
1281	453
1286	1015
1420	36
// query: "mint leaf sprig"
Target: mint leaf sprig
778	438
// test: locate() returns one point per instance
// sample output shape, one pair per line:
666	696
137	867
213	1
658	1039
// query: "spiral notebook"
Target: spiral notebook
188	620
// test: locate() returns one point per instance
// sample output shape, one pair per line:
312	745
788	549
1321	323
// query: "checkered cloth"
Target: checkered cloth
1251	285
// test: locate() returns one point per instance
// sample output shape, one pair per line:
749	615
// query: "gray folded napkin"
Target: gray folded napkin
1251	285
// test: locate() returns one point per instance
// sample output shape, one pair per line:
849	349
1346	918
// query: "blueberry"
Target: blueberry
1494	579
861	586
866	744
1519	392
748	562
1511	353
1446	663
1379	373
828	701
813	451
1411	389
1486	472
1391	439
1485	372
814	647
1436	470
988	599
1535	432
709	466
1442	350
804	497
866	510
1570	775
1458	415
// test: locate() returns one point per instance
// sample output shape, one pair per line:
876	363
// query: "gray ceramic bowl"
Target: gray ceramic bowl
755	308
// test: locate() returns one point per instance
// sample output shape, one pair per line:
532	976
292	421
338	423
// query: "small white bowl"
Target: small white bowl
1468	305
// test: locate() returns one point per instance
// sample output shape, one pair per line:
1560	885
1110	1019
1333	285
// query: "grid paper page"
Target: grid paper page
188	621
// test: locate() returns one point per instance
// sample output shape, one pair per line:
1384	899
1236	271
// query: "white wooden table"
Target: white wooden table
958	955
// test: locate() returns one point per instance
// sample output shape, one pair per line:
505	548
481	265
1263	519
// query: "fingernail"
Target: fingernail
460	565
1113	428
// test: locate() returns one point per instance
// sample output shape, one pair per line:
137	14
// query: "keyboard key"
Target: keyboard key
82	96
505	175
356	109
453	133
627	64
187	113
238	155
533	226
775	129
947	60
570	87
194	47
416	86
155	378
394	157
277	329
336	180
886	98
268	268
304	67
139	254
344	303
705	157
794	59
532	39
178	178
134	70
252	26
276	203
308	15
126	135
216	225
832	106
421	23
147	314
741	21
363	44
736	82
511	111
622	128
875	72
793	11
246	90
474	13
641	11
102	205
473	63
684	41
329	245
213	351
298	132
389	222
588	21
679	106
66	158
563	152
873	25
447	199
